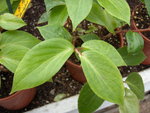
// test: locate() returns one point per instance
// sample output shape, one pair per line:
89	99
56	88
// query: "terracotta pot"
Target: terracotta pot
76	70
146	48
18	100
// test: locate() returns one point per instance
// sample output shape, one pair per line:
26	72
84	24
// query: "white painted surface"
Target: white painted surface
69	105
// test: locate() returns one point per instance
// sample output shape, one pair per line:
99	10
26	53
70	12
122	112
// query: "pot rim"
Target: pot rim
72	63
14	94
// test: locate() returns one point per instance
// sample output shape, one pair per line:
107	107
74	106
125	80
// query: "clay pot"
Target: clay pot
76	70
18	100
146	48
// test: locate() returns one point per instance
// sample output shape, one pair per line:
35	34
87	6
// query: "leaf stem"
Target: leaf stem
137	30
124	31
77	50
9	6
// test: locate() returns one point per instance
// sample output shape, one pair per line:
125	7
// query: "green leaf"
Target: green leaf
106	49
102	76
78	10
88	37
53	3
54	31
131	103
11	22
131	59
147	4
135	42
117	8
13	46
41	63
100	16
44	17
88	101
135	83
58	15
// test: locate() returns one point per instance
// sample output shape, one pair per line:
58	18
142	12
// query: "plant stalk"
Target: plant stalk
9	6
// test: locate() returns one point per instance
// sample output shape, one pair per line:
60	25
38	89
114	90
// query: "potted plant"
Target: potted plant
52	53
13	45
99	61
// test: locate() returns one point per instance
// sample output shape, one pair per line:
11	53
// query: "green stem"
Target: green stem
9	6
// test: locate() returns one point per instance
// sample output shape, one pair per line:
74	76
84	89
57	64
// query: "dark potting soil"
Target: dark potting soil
62	82
142	19
6	83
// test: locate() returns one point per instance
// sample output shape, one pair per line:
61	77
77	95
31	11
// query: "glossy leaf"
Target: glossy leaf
117	8
11	22
88	101
54	31
53	3
131	103
78	10
41	63
106	49
58	15
102	76
147	4
100	16
135	42
135	82
88	37
131	59
13	46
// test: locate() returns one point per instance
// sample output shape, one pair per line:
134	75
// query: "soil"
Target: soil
142	19
62	82
6	83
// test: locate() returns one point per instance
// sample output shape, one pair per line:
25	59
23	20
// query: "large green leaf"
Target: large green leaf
135	42
54	31
131	59
13	46
131	103
117	8
100	16
106	49
147	3
53	3
102	76
78	10
41	63
58	15
135	83
11	22
88	101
